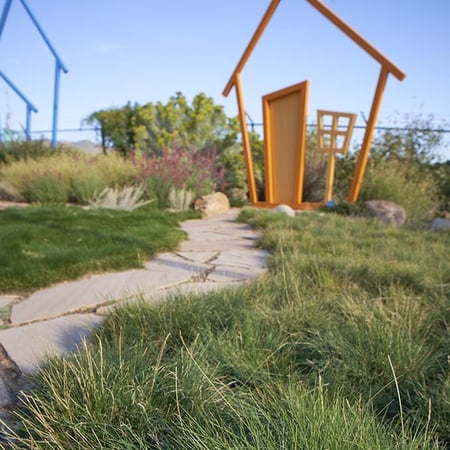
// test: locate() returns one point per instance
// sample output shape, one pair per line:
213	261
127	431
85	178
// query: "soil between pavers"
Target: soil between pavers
218	252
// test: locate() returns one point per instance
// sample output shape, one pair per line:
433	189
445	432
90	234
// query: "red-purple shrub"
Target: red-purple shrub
180	168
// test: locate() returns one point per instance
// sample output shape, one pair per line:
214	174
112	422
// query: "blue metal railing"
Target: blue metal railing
59	66
30	107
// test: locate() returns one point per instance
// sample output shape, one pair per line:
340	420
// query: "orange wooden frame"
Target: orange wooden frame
387	67
331	145
334	131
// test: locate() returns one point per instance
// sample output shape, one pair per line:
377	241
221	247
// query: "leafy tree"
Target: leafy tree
151	128
165	125
199	126
119	128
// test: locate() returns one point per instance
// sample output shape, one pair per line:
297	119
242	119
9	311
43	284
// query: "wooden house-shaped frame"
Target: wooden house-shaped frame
291	103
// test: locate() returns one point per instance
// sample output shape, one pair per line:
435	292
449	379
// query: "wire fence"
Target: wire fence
253	126
257	125
92	134
359	130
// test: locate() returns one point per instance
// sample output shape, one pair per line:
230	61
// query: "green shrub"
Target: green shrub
441	174
87	179
314	176
9	193
115	169
406	184
158	190
17	150
232	161
21	174
86	185
47	190
345	166
403	167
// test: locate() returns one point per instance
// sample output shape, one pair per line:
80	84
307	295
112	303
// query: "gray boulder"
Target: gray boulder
387	212
439	224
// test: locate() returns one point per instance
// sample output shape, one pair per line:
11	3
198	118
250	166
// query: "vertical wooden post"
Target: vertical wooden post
245	140
268	156
361	163
331	168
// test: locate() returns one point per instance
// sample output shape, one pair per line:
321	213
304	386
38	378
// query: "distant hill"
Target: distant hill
84	145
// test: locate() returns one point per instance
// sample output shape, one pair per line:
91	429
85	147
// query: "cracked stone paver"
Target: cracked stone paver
36	341
218	253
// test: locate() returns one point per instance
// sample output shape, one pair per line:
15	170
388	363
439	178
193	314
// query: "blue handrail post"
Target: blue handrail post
59	65
28	123
4	15
55	103
30	107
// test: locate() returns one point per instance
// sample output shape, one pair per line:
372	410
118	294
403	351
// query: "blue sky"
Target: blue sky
147	50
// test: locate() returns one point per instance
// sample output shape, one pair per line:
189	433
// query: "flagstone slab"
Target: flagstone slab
31	344
167	269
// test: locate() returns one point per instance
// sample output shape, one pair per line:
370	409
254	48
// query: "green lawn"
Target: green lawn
344	344
44	245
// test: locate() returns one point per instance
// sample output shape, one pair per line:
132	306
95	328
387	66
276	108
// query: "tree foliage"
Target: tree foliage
153	127
118	127
416	142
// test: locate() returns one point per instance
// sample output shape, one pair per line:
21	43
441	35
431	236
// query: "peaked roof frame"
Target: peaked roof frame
387	67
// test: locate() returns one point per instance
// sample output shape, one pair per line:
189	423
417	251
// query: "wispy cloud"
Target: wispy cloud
107	47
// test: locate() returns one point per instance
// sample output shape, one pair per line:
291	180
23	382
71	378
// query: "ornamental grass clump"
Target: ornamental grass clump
180	199
126	198
48	189
46	174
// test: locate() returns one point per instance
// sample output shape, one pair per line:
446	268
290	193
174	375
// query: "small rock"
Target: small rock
387	212
439	224
212	204
284	209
